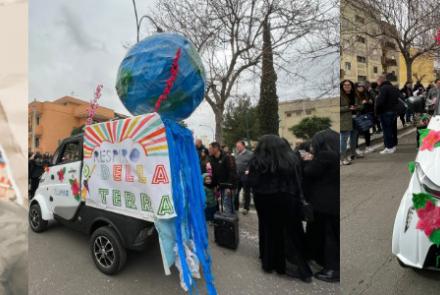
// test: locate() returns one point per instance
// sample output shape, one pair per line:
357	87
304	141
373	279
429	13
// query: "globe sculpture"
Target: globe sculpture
143	74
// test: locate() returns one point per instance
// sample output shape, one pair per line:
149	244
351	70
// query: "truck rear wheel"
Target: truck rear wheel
36	221
107	250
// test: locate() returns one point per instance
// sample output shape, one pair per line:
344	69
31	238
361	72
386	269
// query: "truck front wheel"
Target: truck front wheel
36	221
108	253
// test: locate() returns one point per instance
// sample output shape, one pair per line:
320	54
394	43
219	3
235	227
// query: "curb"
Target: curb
377	141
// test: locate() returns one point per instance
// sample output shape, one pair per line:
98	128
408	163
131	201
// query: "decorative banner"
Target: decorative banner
126	168
8	189
428	212
437	38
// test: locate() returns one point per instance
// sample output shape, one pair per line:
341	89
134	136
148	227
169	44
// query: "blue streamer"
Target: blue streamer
189	201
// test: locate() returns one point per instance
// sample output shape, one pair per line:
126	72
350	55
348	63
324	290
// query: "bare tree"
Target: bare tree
412	24
228	35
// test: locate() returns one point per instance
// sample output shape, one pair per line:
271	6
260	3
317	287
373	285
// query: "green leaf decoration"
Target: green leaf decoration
420	200
412	167
435	237
71	181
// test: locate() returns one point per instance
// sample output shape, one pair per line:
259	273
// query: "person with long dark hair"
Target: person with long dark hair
273	178
321	189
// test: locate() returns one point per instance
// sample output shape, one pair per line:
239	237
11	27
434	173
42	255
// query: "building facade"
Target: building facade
365	54
292	112
423	69
52	121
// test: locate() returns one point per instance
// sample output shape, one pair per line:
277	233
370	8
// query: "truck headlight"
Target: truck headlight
428	185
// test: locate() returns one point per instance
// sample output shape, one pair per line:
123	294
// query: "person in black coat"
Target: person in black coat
321	189
387	103
272	177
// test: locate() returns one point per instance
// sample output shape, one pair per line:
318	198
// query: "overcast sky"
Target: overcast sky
75	45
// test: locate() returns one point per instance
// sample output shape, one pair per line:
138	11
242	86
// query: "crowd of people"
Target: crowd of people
368	108
296	197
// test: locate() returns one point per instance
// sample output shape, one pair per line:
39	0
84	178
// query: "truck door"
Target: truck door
66	179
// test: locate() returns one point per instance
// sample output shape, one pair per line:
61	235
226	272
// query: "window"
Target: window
288	114
390	45
375	70
71	153
348	66
37	142
38	120
361	59
360	39
309	112
359	19
362	78
391	62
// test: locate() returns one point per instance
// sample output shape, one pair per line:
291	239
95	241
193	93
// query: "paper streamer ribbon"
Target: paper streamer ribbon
170	81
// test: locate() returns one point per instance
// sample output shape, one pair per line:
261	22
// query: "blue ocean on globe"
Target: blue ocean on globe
145	69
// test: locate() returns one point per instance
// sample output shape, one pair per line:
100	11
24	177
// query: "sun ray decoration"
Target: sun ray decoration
147	130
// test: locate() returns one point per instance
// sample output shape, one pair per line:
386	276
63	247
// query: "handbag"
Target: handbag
363	123
401	107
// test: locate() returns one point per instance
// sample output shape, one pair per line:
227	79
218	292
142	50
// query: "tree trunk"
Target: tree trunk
408	64
218	113
268	103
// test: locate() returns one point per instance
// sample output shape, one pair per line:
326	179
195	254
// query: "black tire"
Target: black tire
36	221
107	250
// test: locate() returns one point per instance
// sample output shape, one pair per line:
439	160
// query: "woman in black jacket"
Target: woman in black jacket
272	177
321	188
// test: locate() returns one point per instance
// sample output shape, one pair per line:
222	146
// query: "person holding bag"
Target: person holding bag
321	189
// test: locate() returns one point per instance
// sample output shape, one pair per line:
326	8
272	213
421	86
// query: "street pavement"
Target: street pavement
371	190
60	263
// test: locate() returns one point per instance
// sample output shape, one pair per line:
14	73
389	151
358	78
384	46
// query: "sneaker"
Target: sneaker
387	151
368	150
345	162
393	150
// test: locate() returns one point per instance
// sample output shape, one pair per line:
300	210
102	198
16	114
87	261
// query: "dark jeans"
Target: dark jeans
367	137
247	194
389	126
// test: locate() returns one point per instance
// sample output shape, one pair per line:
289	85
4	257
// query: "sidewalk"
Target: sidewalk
377	139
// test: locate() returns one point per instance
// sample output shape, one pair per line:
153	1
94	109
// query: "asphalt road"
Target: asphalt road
13	249
371	190
60	263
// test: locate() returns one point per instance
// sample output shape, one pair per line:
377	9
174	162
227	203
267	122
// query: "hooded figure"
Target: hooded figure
321	188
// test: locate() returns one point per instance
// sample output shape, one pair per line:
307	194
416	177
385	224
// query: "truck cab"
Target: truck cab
60	197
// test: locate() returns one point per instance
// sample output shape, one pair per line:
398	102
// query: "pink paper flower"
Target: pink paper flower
94	104
429	218
430	140
75	187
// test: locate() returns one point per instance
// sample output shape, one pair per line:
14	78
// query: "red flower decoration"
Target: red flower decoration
430	140
429	218
75	187
60	174
437	38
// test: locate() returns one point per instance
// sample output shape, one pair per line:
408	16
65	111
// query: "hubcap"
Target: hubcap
35	218
103	251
